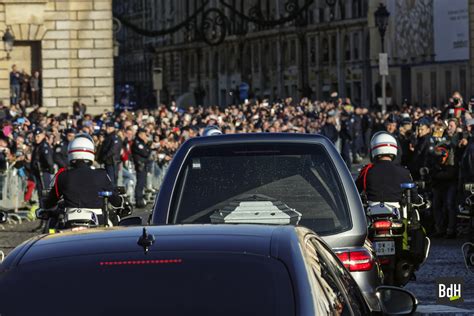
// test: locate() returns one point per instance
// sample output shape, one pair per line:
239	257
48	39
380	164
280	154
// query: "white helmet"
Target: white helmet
211	131
81	148
383	143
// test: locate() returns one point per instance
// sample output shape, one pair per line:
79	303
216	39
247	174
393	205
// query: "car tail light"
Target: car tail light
383	224
140	262
356	260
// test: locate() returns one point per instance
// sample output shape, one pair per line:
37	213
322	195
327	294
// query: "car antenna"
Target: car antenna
146	240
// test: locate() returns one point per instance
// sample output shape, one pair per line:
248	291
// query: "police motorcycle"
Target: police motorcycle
466	216
60	218
400	241
394	228
81	150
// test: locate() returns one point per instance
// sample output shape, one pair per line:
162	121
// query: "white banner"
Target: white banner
451	30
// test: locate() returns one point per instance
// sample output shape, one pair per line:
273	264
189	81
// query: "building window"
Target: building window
333	49
449	83
356	46
192	65
312	51
206	65
321	15
293	51
433	87
347	48
256	60
365	8
274	56
325	53
222	59
342	9
356	8
284	51
172	66
419	87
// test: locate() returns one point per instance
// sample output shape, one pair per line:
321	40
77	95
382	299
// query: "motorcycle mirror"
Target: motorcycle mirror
420	185
409	185
396	301
121	190
42	214
424	171
131	221
3	217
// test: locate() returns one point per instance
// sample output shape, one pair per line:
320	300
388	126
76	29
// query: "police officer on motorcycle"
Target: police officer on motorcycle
381	179
79	184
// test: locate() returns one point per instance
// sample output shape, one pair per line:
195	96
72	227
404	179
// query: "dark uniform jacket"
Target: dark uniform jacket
42	158
421	155
140	153
347	129
330	131
79	186
60	154
381	181
110	150
398	159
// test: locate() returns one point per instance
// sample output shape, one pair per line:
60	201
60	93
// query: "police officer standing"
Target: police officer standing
391	126
422	148
347	135
141	153
42	163
110	152
60	155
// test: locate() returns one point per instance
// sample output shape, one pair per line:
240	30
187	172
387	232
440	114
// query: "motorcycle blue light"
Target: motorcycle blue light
409	185
105	194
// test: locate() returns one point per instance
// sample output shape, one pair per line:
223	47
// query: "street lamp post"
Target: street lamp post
8	41
341	82
381	16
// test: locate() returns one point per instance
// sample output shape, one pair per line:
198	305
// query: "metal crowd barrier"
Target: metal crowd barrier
156	175
127	178
12	192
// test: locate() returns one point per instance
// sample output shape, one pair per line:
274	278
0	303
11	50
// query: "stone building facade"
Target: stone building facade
415	71
327	54
336	50
69	42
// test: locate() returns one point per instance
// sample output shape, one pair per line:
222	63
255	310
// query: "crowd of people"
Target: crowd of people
437	140
24	88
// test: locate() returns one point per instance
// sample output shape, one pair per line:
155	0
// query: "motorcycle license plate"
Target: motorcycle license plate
384	248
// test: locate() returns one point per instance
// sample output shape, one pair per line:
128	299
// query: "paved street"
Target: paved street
445	260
